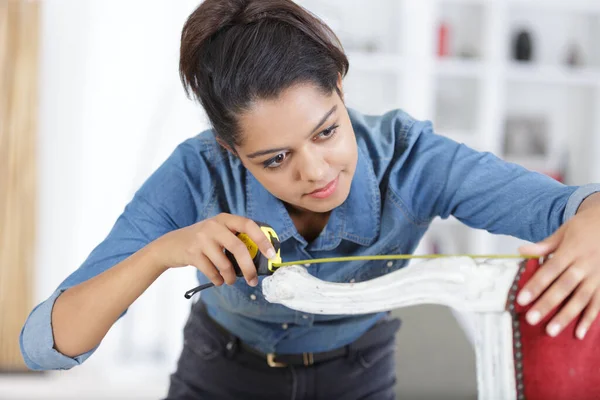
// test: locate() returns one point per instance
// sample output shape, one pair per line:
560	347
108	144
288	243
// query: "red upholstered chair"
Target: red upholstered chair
553	368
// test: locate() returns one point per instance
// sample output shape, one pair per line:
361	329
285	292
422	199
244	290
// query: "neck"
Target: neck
308	223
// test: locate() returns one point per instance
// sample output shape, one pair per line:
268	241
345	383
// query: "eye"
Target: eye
275	161
327	133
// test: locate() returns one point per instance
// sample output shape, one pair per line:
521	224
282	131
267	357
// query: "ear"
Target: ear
340	87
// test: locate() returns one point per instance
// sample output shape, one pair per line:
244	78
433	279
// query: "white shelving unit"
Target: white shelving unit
470	94
474	89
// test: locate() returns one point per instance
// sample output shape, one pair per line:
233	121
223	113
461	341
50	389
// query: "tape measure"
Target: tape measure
397	257
264	266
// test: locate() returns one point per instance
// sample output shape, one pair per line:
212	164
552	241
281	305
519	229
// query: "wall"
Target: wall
112	108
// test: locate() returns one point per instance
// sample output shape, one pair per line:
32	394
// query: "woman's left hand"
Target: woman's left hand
573	270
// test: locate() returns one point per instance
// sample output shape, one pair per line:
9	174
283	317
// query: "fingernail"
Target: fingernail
253	282
524	298
553	329
271	253
581	332
533	317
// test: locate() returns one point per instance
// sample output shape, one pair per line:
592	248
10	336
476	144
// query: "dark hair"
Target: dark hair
234	52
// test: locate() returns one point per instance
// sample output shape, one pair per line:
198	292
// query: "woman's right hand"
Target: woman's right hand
202	244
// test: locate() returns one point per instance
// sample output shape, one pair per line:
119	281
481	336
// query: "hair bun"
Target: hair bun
236	51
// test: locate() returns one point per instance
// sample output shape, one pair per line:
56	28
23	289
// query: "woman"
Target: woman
284	150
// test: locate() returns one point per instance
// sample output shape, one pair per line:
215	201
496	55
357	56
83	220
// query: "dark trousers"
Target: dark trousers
214	366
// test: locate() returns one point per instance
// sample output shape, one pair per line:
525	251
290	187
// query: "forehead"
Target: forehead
294	112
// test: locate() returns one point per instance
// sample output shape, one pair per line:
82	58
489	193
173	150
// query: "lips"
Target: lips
326	190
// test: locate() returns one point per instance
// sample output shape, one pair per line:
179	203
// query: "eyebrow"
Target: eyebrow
276	150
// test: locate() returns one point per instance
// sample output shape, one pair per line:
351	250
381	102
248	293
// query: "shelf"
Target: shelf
583	6
466	2
371	92
457	106
464	31
462	68
376	62
553	75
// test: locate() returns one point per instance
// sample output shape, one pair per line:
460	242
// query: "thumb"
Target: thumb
546	246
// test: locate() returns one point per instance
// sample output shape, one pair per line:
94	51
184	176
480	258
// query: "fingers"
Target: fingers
214	252
571	310
577	280
210	242
237	223
205	266
542	278
556	294
590	315
242	256
568	278
218	233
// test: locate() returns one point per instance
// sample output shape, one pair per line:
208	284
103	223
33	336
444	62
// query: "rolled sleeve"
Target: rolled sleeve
174	196
577	197
37	341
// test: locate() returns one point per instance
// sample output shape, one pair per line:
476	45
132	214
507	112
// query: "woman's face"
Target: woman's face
301	147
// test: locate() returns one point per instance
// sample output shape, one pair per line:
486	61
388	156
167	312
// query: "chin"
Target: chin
324	206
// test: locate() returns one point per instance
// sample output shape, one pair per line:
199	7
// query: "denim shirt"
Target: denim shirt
406	175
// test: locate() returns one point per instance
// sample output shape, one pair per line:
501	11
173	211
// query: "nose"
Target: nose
313	167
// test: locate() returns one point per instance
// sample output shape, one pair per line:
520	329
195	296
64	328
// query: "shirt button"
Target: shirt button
390	264
305	316
253	296
352	280
284	326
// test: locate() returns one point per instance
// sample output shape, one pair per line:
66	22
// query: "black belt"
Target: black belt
303	359
368	339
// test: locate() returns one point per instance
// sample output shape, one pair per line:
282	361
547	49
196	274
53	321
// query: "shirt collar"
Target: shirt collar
356	220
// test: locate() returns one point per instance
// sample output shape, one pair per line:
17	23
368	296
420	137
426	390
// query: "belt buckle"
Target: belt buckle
272	363
308	359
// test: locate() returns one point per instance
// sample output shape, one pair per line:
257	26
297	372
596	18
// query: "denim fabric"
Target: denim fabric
406	175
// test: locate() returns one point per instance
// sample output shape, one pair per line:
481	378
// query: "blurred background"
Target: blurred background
91	104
